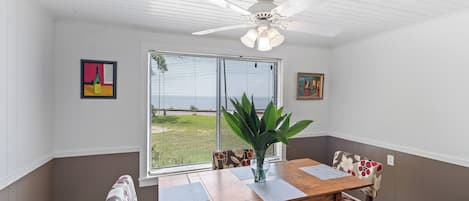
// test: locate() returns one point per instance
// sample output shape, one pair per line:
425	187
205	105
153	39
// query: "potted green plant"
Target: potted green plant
261	133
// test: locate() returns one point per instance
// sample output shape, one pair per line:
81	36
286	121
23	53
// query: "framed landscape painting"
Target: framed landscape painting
310	86
98	79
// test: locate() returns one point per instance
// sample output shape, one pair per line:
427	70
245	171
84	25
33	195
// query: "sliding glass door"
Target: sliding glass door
187	93
183	91
255	78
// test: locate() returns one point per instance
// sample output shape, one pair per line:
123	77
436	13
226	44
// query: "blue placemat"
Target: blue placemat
324	172
245	173
276	190
188	192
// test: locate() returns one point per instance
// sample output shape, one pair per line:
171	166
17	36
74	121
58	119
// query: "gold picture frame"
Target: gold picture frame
310	86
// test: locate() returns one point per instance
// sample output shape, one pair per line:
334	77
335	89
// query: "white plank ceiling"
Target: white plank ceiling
358	18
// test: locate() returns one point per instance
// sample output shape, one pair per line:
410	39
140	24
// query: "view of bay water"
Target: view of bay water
200	102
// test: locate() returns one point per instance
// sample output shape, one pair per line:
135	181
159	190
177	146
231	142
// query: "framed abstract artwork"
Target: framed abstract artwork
98	79
310	86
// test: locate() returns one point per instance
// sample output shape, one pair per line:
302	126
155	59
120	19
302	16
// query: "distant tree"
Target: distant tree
160	61
193	108
162	68
153	111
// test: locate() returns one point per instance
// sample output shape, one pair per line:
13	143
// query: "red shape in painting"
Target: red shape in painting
90	73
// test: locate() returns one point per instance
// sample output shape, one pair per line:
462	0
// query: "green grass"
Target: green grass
189	139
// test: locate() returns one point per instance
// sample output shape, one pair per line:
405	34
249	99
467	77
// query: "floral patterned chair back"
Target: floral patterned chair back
362	168
122	190
232	158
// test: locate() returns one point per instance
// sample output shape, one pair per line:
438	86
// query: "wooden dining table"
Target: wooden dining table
223	185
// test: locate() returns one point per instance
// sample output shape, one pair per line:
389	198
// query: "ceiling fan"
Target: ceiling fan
265	18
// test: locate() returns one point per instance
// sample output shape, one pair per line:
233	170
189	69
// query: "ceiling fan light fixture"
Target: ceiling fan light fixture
249	39
276	38
262	28
267	16
263	44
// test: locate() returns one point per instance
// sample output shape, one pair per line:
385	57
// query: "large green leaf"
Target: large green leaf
273	127
236	126
280	111
282	129
254	116
237	106
297	128
281	137
247	130
285	124
265	140
270	117
246	104
245	116
280	121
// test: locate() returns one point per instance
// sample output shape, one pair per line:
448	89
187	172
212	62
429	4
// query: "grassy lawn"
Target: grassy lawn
188	139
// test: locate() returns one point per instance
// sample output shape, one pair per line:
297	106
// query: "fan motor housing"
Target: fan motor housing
264	15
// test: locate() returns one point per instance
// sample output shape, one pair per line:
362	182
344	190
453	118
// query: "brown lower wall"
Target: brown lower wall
36	186
89	178
413	178
309	147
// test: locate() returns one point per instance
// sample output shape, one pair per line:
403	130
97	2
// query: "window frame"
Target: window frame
279	149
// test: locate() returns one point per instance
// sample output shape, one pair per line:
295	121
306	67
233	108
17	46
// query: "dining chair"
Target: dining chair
122	190
232	158
362	168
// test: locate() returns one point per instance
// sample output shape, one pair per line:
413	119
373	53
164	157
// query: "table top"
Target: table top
224	185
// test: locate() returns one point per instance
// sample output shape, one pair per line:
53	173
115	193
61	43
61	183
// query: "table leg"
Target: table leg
338	196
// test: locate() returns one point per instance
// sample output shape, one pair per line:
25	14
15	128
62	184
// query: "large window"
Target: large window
186	95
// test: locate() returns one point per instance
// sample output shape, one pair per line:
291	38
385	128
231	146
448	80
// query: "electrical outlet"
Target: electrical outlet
390	160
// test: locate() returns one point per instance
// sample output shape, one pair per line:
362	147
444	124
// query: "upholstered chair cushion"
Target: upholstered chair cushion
371	171
344	161
117	194
122	190
232	158
362	168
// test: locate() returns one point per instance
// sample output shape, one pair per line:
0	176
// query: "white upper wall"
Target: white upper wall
406	90
95	126
26	85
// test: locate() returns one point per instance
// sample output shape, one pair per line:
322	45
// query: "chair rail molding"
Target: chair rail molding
405	149
96	151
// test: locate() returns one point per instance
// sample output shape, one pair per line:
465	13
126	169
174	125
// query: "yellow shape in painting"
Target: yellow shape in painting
97	89
105	90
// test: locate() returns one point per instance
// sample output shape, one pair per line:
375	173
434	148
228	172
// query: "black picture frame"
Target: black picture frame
83	62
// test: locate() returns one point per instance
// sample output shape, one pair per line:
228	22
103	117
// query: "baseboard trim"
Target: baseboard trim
92	152
20	173
405	149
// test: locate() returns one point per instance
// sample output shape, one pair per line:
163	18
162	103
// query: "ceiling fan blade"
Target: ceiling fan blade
316	29
293	7
209	31
234	7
